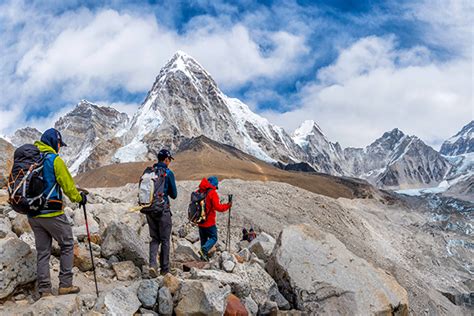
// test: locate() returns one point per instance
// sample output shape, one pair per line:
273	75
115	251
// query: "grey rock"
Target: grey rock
124	243
250	305
185	251
262	246
120	301
193	236
202	298
263	287
144	311
165	301
18	264
340	281
269	308
228	266
239	282
148	293
5	227
126	270
244	254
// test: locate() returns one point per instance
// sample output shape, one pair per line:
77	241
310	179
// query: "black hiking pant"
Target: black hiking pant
160	232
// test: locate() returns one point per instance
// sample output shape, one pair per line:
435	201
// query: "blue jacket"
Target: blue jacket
170	189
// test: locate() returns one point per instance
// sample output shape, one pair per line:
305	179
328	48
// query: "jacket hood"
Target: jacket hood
205	185
44	148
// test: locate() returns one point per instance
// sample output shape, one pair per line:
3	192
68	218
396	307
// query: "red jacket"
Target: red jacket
213	203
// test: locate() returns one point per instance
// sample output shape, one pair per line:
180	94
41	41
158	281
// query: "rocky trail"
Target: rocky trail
314	255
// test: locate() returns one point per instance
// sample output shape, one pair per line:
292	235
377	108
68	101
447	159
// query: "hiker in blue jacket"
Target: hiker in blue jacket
160	224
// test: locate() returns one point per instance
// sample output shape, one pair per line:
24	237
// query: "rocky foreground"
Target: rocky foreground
314	254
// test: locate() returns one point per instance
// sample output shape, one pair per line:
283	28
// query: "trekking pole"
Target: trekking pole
90	250
228	225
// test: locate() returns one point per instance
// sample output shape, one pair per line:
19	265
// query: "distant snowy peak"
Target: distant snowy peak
27	135
461	143
306	129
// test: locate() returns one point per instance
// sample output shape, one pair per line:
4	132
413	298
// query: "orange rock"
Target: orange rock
235	307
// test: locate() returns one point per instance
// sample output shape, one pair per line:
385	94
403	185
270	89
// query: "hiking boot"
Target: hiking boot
172	271
68	290
152	271
203	255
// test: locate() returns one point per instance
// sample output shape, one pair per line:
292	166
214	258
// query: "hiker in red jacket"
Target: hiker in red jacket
208	229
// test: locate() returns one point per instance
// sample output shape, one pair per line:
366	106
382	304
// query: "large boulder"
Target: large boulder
18	265
20	225
165	302
239	283
202	298
262	246
263	288
124	243
82	258
317	273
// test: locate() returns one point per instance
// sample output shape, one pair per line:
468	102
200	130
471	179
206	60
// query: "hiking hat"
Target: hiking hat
163	154
214	181
52	137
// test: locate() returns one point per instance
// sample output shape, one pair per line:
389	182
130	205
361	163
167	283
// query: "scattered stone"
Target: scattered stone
262	246
148	293
18	265
5	227
172	283
185	251
243	244
235	307
126	270
82	258
340	281
193	236
263	287
124	243
29	238
244	254
120	301
269	308
20	225
144	311
228	266
165	302
53	305
239	282
202	298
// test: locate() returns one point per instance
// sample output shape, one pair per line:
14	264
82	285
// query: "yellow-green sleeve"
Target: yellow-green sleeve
65	181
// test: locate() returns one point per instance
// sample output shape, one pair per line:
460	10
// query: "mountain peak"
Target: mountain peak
461	143
308	127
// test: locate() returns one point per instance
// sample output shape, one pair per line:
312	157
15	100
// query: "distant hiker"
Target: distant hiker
248	235
157	185
51	221
208	229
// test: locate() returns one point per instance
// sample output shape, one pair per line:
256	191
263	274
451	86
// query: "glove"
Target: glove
84	199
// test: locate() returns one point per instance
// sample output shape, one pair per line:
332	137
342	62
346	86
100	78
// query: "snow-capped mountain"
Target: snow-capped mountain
461	143
323	155
27	135
89	131
185	102
396	160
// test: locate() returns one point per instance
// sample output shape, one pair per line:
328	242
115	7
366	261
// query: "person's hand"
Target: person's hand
84	199
230	204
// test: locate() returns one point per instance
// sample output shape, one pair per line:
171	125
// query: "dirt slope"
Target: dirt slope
202	157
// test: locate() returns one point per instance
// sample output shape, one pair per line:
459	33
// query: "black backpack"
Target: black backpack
151	191
25	183
197	207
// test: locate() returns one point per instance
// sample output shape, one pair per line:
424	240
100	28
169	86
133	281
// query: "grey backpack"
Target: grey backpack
151	195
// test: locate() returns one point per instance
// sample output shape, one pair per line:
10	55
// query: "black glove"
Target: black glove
84	199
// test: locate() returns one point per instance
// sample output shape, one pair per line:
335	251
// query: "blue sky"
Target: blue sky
357	68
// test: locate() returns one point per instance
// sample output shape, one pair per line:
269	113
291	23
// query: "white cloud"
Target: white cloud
373	87
86	55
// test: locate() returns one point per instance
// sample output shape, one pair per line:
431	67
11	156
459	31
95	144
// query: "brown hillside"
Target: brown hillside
201	157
